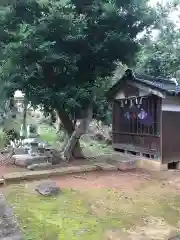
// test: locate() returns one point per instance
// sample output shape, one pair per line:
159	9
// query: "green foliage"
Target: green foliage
33	128
160	57
10	135
61	55
48	134
2	140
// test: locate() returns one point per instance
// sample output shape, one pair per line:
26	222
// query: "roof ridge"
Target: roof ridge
159	83
146	77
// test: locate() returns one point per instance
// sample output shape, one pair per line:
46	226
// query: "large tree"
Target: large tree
161	56
62	53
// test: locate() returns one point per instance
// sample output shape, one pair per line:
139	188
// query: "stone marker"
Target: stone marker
47	189
9	229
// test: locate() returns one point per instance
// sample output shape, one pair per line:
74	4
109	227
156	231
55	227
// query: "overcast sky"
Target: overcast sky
175	16
153	2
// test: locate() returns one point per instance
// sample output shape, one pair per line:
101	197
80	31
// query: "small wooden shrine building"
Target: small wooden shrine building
146	117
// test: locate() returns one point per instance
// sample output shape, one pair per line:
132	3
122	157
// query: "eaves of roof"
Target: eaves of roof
165	86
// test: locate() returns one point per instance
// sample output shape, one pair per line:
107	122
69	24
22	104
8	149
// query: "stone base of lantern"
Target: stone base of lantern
24	160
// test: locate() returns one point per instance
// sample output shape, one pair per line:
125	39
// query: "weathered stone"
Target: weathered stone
34	147
98	136
24	160
54	156
47	189
27	175
125	165
108	141
9	229
40	166
106	167
19	150
41	149
30	140
43	144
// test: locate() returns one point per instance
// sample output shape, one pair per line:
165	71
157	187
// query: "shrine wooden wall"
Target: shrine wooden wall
170	136
140	140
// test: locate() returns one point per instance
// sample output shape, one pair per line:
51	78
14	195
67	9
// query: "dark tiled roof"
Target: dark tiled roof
163	85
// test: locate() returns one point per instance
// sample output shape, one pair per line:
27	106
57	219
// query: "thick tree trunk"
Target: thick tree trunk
69	128
78	132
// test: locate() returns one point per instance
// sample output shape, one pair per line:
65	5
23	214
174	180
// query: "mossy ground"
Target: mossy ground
93	214
90	214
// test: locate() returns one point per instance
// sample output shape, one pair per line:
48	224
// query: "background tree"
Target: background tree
61	55
161	56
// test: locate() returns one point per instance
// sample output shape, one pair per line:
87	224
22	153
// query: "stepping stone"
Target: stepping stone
125	165
47	189
106	166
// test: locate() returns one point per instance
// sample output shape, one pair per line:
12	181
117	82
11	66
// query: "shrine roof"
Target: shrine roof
165	86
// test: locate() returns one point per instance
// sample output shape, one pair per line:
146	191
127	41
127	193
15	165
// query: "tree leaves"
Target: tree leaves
160	57
62	53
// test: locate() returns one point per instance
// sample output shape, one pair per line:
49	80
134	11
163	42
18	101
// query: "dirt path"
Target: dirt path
110	179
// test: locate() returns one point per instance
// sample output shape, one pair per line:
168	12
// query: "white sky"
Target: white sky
18	94
174	16
154	2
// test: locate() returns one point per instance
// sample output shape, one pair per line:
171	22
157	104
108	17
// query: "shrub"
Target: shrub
10	135
33	129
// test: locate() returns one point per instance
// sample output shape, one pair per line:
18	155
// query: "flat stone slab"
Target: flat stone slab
116	156
106	166
47	189
9	228
27	175
125	165
151	165
19	151
41	166
23	160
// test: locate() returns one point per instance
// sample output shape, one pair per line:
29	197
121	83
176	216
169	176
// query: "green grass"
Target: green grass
49	135
2	140
89	214
95	148
64	217
89	146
